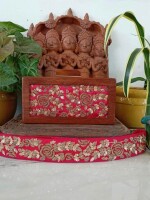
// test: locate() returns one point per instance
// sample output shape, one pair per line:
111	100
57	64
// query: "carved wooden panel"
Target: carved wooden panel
68	100
71	46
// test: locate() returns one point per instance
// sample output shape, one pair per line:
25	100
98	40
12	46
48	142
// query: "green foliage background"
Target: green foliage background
19	56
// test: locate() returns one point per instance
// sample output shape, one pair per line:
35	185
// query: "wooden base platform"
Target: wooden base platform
69	143
15	126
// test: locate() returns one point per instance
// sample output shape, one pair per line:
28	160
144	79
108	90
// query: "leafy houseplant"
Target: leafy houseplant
132	58
18	58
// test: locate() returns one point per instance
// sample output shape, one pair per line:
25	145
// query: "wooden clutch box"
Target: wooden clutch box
68	100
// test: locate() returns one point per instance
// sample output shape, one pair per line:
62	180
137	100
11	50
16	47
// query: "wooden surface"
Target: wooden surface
15	126
27	81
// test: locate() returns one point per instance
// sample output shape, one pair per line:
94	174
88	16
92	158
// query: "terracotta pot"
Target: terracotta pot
130	110
8	104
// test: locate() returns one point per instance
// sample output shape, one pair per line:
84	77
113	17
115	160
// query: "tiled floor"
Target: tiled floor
127	179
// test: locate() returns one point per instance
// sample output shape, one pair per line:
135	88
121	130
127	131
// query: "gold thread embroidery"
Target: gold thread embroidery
74	101
81	150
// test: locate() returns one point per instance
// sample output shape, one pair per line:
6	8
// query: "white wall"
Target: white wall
24	12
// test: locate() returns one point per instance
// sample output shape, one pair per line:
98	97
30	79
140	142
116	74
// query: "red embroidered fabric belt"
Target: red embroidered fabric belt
67	149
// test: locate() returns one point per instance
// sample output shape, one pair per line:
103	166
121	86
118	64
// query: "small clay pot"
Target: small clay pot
131	110
8	105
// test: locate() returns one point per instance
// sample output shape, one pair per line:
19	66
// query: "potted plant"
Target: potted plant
18	57
145	51
130	110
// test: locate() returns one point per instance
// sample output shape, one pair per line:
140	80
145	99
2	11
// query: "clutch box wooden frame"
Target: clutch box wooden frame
28	82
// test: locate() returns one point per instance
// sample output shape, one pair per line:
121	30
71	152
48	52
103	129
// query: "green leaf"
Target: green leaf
7	76
9	88
133	80
28	66
6	47
144	39
6	79
146	53
147	41
129	70
11	62
18	37
130	67
130	16
27	45
11	28
109	30
138	26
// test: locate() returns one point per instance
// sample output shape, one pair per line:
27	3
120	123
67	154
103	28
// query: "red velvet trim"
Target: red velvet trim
65	149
